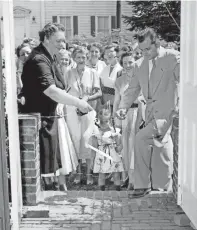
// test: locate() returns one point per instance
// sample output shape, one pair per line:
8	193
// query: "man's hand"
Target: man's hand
84	107
121	114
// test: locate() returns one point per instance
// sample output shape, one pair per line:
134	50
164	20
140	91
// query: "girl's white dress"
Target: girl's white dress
107	145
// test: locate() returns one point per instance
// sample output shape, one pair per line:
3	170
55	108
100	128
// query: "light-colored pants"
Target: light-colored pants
152	164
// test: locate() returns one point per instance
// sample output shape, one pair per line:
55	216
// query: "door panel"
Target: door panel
4	200
188	112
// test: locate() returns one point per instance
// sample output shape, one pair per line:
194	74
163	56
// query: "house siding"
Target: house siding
82	9
35	7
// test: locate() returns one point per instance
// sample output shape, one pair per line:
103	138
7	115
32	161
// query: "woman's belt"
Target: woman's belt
134	105
108	90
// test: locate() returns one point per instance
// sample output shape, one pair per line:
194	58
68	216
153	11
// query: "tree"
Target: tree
155	14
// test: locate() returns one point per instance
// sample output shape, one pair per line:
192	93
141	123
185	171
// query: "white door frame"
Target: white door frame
187	173
4	193
12	112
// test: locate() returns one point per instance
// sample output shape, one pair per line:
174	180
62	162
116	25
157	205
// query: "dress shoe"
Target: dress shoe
56	186
130	187
102	187
125	183
62	187
118	188
140	193
48	187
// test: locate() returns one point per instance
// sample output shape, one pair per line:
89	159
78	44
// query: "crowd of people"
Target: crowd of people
133	91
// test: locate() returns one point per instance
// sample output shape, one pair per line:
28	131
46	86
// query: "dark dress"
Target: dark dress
39	72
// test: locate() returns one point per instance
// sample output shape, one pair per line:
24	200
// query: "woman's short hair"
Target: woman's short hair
126	54
66	52
18	49
97	45
77	50
49	30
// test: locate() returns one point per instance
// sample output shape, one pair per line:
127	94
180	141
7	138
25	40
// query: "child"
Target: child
107	140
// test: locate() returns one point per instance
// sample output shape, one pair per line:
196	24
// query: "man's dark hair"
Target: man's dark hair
50	29
148	32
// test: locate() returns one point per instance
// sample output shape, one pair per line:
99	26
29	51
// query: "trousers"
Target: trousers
153	166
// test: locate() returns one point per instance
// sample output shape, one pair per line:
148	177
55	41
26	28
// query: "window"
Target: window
66	21
70	23
103	25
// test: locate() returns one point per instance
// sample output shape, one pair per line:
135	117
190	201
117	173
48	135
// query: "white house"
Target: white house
79	17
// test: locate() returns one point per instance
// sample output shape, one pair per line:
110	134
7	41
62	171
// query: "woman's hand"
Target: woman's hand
84	107
60	110
85	98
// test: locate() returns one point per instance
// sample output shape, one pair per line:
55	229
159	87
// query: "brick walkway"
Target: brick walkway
109	210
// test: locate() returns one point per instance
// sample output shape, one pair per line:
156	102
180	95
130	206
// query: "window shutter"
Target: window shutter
113	22
93	26
54	19
75	25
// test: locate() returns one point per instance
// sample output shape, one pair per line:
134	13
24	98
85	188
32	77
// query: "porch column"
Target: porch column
12	111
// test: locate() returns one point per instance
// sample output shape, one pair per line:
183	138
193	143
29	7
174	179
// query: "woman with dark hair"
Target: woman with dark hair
22	52
127	125
43	89
95	50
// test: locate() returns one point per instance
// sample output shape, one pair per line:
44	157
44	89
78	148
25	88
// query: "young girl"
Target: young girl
108	140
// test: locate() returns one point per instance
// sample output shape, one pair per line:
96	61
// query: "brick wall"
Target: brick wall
29	126
175	138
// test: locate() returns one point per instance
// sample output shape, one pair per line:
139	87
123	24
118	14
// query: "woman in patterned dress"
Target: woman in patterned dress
84	83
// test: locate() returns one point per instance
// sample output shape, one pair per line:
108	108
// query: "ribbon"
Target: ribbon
90	131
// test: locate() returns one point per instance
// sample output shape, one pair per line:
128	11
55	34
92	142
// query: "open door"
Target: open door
4	197
187	191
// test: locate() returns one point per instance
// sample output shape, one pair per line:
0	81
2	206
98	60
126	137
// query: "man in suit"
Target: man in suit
156	75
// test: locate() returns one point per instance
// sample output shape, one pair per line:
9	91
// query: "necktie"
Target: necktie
150	80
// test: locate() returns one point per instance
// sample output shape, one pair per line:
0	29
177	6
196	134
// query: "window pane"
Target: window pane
63	21
103	25
66	21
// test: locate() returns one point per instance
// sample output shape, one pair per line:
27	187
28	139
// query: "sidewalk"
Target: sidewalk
109	210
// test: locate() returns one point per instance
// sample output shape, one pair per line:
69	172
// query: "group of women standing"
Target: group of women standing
92	83
101	84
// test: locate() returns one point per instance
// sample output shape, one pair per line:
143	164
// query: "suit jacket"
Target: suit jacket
163	84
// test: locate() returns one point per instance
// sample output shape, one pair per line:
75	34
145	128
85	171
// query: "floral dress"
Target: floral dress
107	144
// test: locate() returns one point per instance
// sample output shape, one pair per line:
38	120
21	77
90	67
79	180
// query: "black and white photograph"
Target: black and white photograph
98	117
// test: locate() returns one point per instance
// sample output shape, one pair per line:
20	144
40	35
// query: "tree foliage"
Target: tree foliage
155	14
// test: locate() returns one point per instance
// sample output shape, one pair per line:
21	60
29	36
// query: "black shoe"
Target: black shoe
63	187
102	187
130	187
118	188
125	183
140	193
48	187
56	186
